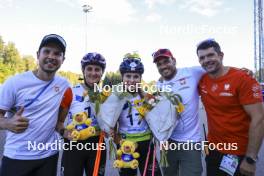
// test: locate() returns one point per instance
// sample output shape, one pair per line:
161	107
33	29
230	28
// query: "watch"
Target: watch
250	160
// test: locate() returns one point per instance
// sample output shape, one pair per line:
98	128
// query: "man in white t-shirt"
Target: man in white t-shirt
183	81
35	98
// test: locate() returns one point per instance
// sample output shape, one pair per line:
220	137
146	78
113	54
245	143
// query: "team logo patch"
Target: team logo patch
133	66
256	88
227	86
182	81
56	88
214	87
256	95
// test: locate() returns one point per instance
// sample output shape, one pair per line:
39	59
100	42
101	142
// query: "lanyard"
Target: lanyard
42	90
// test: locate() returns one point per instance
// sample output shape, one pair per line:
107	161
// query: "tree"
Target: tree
5	72
1	47
73	78
12	59
112	78
29	63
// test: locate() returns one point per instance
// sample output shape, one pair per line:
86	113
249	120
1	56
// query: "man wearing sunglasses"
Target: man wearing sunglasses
235	114
35	99
183	81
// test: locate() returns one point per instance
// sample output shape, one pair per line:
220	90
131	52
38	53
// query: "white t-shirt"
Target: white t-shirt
17	91
81	104
185	84
131	123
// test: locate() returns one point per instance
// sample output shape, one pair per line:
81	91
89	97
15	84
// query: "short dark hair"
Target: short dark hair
208	44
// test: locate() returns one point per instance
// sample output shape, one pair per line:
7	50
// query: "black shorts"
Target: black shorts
75	162
40	167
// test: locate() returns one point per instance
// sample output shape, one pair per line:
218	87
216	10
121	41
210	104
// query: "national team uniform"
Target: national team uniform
187	130
228	122
75	161
23	154
133	128
131	125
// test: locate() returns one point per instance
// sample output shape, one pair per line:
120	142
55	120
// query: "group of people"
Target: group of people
35	105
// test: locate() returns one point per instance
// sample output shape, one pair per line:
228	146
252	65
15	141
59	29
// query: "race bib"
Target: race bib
229	164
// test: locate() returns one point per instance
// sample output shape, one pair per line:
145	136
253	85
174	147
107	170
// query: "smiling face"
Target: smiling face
210	60
92	74
166	67
50	58
131	80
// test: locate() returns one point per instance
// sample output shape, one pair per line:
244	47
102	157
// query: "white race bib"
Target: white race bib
229	164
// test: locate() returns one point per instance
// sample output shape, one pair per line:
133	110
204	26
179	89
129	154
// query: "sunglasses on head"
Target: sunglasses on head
132	56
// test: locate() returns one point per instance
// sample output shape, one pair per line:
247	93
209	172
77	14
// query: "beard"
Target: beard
169	75
45	66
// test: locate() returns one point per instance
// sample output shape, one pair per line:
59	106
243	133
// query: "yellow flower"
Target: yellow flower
180	108
106	93
138	102
142	111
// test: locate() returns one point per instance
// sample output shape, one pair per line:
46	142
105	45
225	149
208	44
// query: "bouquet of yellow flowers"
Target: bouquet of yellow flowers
144	105
96	98
162	111
149	101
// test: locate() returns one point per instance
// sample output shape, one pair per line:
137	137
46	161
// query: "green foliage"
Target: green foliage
1	47
29	63
112	78
11	62
5	72
11	58
73	78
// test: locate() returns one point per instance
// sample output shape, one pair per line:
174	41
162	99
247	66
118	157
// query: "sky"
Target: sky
116	27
